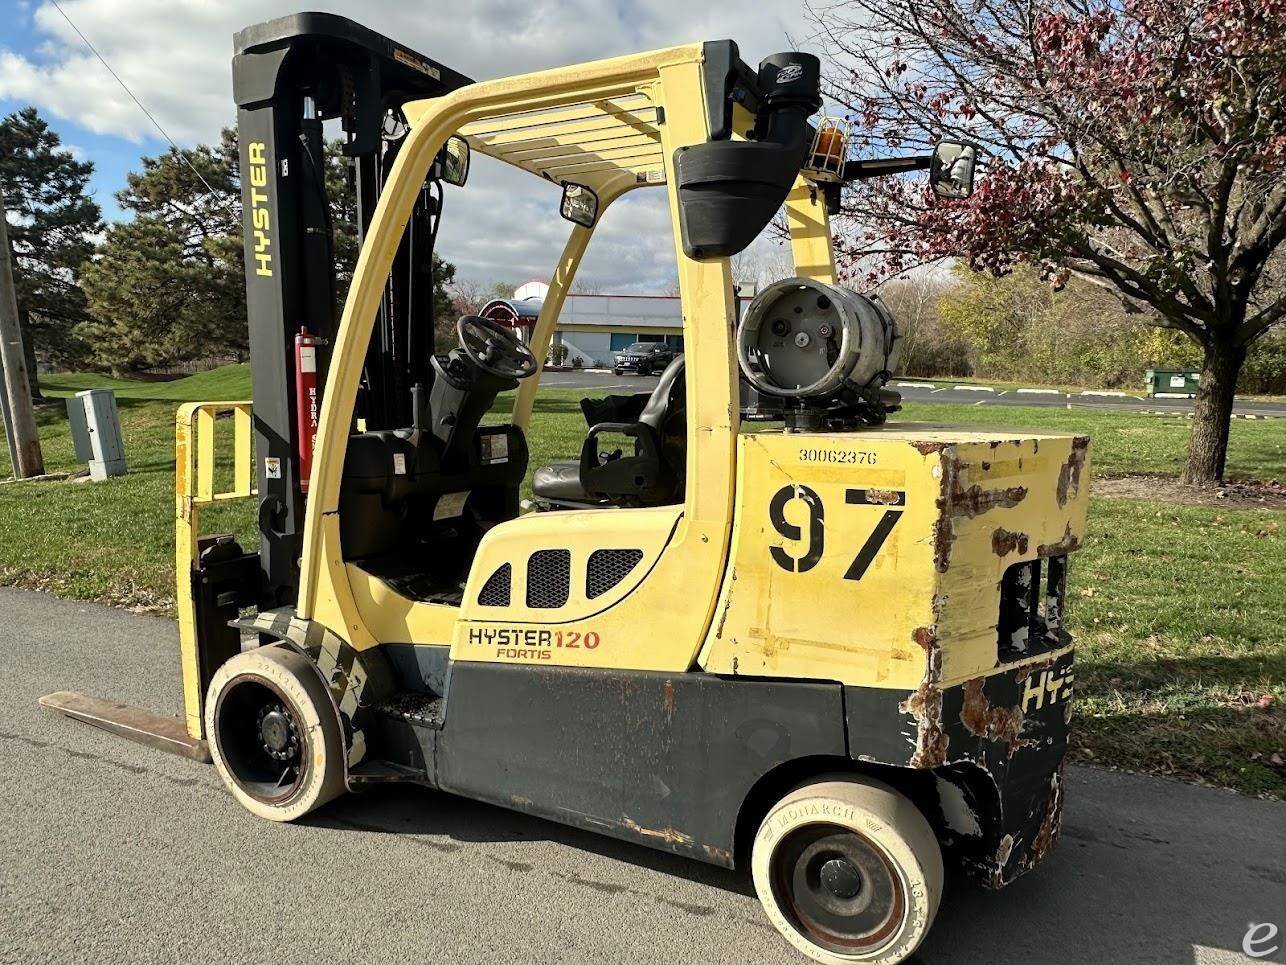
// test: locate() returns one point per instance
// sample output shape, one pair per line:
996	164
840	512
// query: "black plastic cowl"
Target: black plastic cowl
730	190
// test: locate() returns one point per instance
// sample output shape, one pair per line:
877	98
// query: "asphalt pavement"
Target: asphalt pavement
914	390
113	852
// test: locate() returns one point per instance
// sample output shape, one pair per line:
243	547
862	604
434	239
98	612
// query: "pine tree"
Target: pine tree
169	285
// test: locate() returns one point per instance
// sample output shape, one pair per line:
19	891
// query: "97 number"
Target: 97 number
815	544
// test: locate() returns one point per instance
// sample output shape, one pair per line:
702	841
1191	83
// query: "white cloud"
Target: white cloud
175	55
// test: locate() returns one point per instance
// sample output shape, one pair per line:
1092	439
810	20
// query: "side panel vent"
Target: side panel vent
495	592
549	578
606	568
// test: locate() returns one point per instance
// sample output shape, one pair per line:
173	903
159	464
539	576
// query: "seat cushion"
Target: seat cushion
561	482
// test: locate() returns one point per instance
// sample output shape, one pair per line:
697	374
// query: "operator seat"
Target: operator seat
651	476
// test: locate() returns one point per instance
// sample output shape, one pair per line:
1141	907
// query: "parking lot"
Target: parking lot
118	853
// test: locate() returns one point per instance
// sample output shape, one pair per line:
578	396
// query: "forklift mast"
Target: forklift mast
290	75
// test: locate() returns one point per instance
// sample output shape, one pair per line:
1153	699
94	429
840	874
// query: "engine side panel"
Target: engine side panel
662	759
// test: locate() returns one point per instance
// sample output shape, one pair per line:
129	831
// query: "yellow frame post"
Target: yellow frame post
811	245
560	284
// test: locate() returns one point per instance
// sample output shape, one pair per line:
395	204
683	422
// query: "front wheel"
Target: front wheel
848	871
273	734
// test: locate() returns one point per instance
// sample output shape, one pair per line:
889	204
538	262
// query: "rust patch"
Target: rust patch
975	500
667	699
1051	825
957	501
1004	542
944	535
1003	724
1066	544
883	497
926	448
721	855
925	705
926	637
1023	672
1069	473
668	835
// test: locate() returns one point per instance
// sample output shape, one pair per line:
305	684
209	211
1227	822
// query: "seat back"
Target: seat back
669	390
654	474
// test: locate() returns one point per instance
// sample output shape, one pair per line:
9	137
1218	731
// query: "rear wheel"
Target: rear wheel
848	872
273	734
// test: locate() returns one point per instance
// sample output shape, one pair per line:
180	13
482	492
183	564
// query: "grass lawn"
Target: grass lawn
1177	610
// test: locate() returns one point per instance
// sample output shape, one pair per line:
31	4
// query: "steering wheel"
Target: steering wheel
495	348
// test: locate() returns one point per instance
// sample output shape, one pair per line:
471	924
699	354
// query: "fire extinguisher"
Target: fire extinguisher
307	401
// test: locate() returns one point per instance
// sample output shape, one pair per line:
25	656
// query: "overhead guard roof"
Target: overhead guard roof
591	143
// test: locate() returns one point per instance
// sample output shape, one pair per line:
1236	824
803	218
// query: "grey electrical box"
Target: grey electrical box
96	432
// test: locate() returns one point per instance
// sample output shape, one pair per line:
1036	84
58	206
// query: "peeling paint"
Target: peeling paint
1069	474
944	536
1004	542
931	741
926	448
1066	544
956	501
975	501
1052	824
1022	673
956	811
1001	859
1003	724
727	603
668	835
719	855
884	497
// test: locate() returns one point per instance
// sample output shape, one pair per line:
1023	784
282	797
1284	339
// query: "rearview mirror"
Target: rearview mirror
579	204
454	161
951	171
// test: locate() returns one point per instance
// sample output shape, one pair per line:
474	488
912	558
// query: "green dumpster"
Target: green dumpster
1174	382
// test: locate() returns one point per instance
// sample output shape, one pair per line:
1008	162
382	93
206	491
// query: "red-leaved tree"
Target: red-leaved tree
1139	144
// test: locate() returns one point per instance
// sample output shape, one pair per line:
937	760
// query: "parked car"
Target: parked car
643	358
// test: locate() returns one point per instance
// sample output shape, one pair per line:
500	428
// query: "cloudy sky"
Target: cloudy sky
175	55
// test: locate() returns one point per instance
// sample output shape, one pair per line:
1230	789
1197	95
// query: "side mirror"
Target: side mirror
952	168
453	161
579	204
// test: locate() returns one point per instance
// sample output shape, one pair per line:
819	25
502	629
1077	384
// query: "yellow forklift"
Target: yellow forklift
827	649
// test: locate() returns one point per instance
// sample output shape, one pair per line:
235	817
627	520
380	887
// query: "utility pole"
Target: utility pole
7	419
27	458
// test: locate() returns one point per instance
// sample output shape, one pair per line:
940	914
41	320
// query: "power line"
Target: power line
155	123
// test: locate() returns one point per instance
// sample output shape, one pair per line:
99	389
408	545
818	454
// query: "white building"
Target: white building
595	327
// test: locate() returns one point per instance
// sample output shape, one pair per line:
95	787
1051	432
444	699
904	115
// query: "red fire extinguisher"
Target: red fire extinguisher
307	401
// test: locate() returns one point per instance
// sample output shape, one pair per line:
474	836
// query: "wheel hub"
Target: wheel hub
841	879
277	732
836	888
